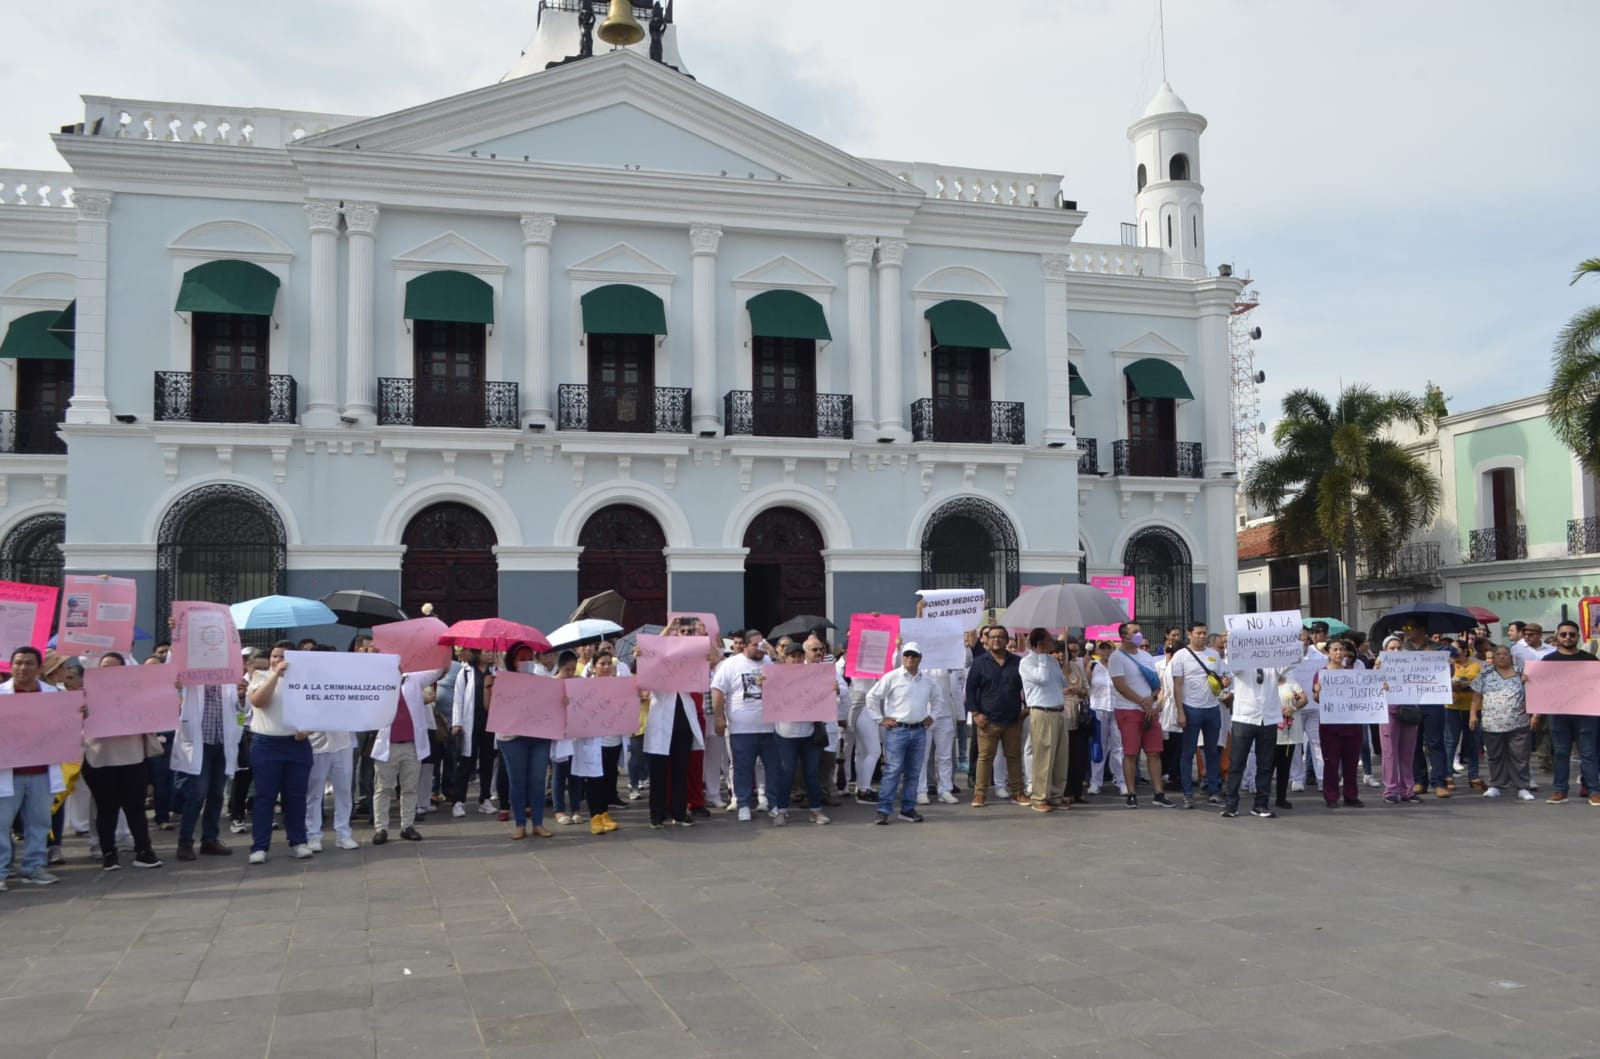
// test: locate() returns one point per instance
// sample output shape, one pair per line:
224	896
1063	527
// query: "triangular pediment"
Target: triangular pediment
784	272
621	262
1151	344
609	112
455	250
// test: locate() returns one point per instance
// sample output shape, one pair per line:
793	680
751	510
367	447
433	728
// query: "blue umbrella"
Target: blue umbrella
281	612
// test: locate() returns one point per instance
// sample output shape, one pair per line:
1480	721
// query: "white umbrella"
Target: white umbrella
584	629
1063	607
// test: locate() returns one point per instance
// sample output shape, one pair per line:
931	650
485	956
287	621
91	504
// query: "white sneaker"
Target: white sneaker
819	817
487	808
744	816
761	804
314	843
1297	786
1457	766
922	798
633	794
458	810
1526	796
1372	781
258	856
948	799
1491	792
349	843
303	852
1093	791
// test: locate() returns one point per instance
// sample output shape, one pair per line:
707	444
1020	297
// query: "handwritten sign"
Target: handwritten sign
331	691
1120	589
601	706
205	644
796	694
874	643
1568	688
1270	640
96	615
415	641
41	729
965	605
1415	678
129	700
1352	696
940	640
25	613
530	705
673	663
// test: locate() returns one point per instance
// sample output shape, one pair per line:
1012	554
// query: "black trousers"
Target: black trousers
1264	737
610	761
1281	756
114	788
239	786
481	761
669	774
1077	761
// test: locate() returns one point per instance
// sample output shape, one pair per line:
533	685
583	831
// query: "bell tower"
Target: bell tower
1167	195
569	30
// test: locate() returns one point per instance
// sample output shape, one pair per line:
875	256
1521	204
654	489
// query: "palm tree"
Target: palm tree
1575	385
1338	482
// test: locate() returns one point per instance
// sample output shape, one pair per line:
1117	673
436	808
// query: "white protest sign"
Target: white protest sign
1263	641
1352	696
940	640
1416	678
333	691
963	604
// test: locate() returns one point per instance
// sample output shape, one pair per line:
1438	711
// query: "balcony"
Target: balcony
775	414
1156	459
623	409
1088	456
960	420
1498	544
224	397
1583	535
31	433
1418	561
461	403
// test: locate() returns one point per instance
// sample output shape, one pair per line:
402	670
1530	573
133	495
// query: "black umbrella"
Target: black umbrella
1434	617
628	644
361	609
801	623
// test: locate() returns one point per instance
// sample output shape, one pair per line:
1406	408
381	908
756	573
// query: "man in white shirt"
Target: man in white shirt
902	705
1312	660
941	763
1257	709
736	710
1044	688
1134	684
1193	670
1531	648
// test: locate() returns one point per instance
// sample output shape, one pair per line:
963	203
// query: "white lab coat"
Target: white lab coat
188	744
412	685
658	724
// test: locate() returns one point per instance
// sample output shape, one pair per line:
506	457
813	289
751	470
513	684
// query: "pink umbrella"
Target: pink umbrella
493	634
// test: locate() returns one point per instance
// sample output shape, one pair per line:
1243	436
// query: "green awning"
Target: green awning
1156	379
237	287
1079	387
623	309
787	314
964	323
450	297
67	323
29	338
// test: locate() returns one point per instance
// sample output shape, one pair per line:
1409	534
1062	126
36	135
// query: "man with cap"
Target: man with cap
902	705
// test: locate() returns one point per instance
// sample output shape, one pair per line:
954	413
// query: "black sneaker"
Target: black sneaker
657	825
1330	803
1229	813
683	821
1132	801
146	859
1161	800
881	819
109	862
410	834
700	810
867	797
1265	814
1283	803
912	815
379	837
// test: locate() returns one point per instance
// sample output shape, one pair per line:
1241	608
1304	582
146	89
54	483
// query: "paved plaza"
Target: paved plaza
1455	929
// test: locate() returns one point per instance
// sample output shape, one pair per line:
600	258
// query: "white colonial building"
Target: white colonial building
601	325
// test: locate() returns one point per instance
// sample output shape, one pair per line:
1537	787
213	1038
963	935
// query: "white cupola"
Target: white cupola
558	36
1167	199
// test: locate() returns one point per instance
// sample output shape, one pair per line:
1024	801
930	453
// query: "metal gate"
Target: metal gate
969	543
220	544
32	552
1158	561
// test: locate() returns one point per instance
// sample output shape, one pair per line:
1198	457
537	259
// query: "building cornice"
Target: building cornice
984	226
176	169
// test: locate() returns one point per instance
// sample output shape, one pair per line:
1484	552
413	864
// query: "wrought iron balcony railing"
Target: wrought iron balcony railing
958	419
31	433
781	414
434	402
1088	456
1416	560
224	397
1156	459
1583	535
626	409
1497	544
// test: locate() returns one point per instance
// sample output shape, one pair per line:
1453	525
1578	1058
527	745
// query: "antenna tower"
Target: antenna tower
1242	333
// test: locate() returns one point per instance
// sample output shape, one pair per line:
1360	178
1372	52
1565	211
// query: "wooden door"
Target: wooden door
228	380
784	377
622	383
961	394
448	374
624	549
450	562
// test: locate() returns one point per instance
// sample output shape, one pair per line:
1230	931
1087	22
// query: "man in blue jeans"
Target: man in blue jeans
204	754
736	709
1565	729
1193	668
901	704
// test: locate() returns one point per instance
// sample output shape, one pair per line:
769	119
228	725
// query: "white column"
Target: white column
1058	430
703	240
322	377
537	228
858	283
891	344
1214	299
89	404
361	382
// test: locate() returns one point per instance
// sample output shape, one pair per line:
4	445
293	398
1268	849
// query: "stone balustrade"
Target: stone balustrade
1109	260
155	120
994	187
35	187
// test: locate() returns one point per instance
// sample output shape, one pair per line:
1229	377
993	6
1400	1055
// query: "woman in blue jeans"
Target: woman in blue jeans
280	759
526	760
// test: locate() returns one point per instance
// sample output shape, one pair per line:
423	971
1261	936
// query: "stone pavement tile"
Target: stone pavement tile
308	1001
1139	1018
503	994
651	1044
217	1042
627	1018
42	1031
336	1049
1293	1034
313	1026
1067	1028
152	992
747	954
1207	1041
245	1016
298	977
111	1046
532	1031
63	1005
799	1001
581	1048
236	986
1011	1001
758	1037
157	1016
47	984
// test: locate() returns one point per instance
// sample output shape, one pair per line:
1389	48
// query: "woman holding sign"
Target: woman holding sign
280	758
1341	743
114	767
1500	713
526	759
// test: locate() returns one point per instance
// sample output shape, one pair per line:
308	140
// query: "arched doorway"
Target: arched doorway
624	549
220	544
1158	561
32	552
969	543
784	575
450	562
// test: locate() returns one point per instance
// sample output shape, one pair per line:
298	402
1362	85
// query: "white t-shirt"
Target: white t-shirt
1305	673
737	679
1258	703
1189	674
1100	688
1127	668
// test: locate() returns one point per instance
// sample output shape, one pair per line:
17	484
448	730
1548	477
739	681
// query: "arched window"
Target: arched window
784	574
220	544
32	552
1178	168
1158	561
450	562
1143	177
624	549
969	543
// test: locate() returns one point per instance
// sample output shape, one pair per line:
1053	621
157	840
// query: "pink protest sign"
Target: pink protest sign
799	693
530	705
129	700
41	729
1119	589
415	641
25	613
713	630
601	706
1563	687
873	639
673	663
205	644
96	615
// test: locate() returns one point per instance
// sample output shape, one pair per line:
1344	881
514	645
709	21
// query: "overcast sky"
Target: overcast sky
1409	184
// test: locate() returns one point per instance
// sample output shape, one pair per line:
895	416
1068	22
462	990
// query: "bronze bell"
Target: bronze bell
620	28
